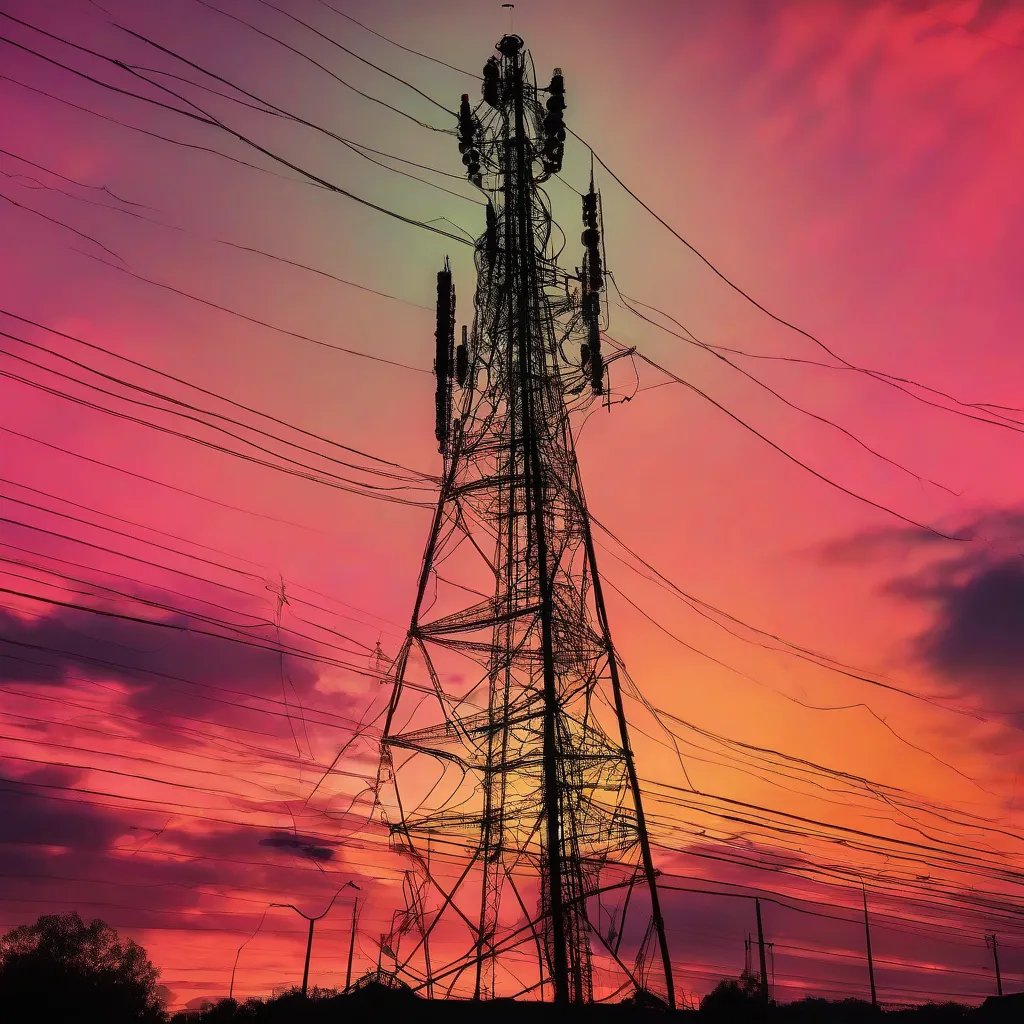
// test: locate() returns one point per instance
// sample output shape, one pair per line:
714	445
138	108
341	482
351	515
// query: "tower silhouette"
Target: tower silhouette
506	772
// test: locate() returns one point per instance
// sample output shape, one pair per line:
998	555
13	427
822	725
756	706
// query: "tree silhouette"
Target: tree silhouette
733	999
61	969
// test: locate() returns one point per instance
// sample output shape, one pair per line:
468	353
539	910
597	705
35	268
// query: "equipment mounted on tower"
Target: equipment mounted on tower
509	46
491	235
444	336
492	82
592	279
469	129
554	125
462	359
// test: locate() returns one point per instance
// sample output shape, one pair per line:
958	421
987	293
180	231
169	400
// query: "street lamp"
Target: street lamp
312	921
309	942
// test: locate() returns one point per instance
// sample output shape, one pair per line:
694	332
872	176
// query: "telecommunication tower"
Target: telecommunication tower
506	771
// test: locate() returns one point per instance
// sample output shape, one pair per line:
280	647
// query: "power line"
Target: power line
380	35
207	119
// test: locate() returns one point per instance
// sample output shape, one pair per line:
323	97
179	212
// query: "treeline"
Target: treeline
728	1003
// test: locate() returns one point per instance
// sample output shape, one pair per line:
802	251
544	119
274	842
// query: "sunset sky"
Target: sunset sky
853	166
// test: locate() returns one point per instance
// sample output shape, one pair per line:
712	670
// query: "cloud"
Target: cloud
312	849
978	632
893	98
997	528
31	819
68	641
975	591
161	668
140	868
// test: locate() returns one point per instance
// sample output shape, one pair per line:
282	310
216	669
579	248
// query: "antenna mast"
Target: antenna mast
506	738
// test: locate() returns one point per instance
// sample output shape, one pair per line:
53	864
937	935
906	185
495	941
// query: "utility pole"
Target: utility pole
351	945
309	950
867	937
991	939
760	949
312	922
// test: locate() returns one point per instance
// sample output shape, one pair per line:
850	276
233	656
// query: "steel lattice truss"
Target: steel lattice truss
505	746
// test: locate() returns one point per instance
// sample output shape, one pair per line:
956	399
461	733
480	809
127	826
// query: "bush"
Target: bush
60	970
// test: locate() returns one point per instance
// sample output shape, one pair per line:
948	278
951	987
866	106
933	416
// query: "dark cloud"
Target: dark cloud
139	869
999	527
161	667
989	14
68	642
976	592
311	849
31	817
978	632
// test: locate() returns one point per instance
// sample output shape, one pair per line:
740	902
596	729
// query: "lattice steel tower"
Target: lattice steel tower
506	771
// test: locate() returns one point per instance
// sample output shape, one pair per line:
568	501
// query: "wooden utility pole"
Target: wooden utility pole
995	957
351	946
760	950
867	936
309	949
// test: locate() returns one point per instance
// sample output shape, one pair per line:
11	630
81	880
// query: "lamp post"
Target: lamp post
351	945
312	922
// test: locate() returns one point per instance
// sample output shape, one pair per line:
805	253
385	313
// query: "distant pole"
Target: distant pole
995	957
351	946
867	936
760	949
309	949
